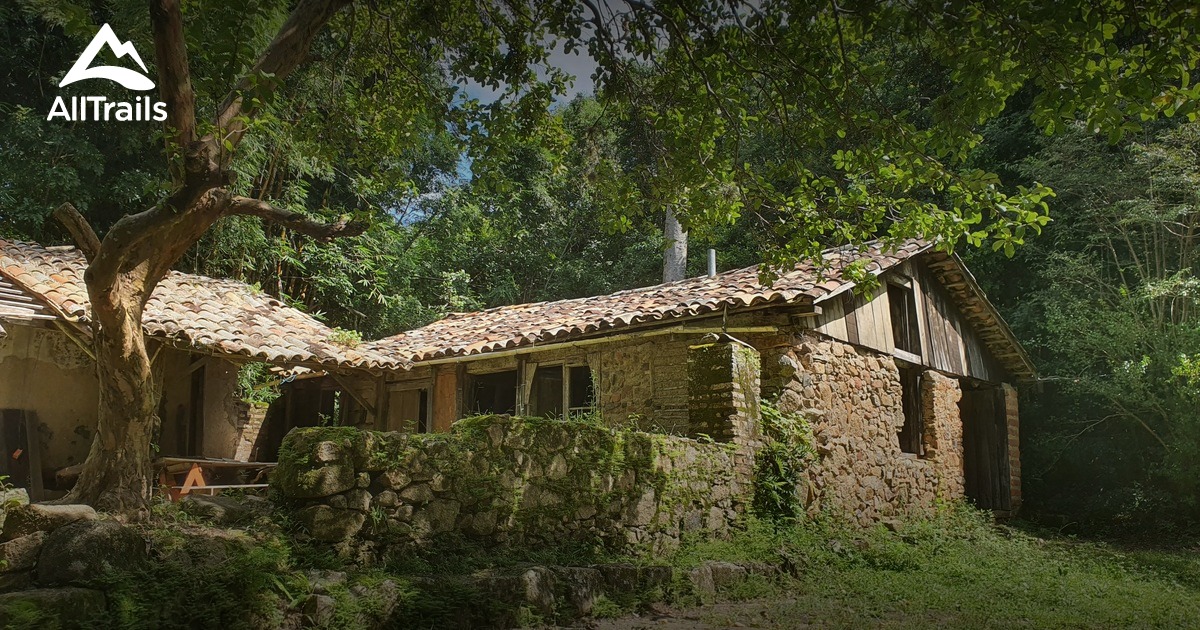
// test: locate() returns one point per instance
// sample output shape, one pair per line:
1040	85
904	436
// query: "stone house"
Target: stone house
199	330
910	383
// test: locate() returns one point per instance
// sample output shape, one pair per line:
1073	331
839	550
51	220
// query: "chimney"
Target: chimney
712	263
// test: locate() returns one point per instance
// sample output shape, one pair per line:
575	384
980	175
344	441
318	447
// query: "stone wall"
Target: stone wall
250	422
723	391
646	379
1013	421
854	396
501	480
944	432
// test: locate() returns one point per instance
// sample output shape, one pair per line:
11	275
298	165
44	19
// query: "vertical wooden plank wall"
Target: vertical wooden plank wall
445	398
949	342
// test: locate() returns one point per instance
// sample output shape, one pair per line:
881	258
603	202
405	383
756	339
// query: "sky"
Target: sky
579	64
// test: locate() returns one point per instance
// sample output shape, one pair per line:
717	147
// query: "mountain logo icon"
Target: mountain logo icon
130	79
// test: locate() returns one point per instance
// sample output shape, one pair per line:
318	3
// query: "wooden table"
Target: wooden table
198	472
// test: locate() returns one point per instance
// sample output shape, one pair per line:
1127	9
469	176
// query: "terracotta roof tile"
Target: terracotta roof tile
221	315
507	327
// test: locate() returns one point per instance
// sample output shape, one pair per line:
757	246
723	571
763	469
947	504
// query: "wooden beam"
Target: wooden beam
675	330
353	394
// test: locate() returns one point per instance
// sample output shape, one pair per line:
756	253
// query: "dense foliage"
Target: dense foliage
1106	300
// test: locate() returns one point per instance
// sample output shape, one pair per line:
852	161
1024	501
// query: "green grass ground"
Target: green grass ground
957	571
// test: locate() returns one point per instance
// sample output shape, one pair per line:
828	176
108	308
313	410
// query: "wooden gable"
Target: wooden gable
958	333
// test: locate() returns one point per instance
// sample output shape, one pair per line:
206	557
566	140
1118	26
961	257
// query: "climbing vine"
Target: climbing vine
779	482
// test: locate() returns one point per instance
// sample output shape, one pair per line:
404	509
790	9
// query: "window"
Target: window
493	393
905	332
912	435
552	385
546	394
582	390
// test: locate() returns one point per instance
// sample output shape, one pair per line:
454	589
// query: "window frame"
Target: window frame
566	367
910	348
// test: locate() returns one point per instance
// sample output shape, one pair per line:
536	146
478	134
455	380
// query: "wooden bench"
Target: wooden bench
198	472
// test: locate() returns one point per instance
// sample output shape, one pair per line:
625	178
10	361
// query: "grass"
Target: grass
955	571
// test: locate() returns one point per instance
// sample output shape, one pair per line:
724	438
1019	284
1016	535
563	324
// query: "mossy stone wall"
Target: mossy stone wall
503	480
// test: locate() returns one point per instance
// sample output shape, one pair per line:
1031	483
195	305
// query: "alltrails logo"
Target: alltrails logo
84	108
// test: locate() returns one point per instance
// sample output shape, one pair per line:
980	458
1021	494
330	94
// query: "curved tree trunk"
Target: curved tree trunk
139	249
116	474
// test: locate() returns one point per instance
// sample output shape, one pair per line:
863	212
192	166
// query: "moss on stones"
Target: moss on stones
501	479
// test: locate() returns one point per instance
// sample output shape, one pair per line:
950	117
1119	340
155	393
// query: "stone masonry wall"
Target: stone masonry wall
855	397
501	480
1013	422
723	391
250	421
647	379
944	433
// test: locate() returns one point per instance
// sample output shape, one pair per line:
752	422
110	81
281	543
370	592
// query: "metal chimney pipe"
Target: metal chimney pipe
712	263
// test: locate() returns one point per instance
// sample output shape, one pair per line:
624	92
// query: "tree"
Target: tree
863	157
1107	303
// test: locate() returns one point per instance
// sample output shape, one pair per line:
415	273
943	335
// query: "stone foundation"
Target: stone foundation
501	480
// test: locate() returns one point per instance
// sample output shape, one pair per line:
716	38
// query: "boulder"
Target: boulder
582	587
53	608
533	588
320	581
10	499
80	552
330	479
331	524
710	577
621	577
318	610
20	554
15	581
23	520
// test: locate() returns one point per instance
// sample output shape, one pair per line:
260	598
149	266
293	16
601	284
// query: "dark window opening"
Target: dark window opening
423	422
195	439
546	394
912	435
583	391
905	331
493	393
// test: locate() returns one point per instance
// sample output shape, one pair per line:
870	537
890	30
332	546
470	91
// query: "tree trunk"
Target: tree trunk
139	249
675	255
116	475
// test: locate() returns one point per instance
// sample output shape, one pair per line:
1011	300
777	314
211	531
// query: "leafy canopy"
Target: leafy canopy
855	148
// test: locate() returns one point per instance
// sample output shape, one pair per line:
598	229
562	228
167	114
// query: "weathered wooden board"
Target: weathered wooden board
948	340
985	448
445	398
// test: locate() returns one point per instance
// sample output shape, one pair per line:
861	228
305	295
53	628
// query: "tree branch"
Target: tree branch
287	51
81	231
295	221
174	78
